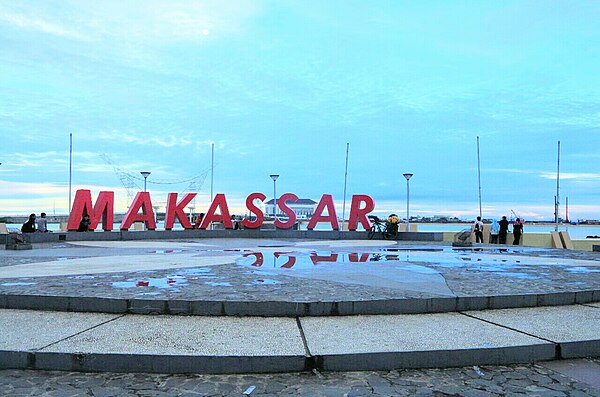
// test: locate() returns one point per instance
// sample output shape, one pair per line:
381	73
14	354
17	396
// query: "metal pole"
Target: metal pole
345	182
70	167
145	174
407	205
212	167
479	176
274	177
407	176
556	205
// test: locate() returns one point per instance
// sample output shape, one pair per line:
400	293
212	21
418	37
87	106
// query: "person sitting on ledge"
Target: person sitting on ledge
84	225
42	223
29	226
392	223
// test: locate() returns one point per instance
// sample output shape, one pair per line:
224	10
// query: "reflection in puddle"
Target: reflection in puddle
289	260
265	281
413	260
162	282
218	284
172	282
581	269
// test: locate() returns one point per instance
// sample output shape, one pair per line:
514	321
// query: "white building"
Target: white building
303	208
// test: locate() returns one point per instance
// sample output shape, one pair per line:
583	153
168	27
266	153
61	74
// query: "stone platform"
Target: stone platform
293	305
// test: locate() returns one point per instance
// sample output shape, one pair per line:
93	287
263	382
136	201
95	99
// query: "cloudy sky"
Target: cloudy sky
282	86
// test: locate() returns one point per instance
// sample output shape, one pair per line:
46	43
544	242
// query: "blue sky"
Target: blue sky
282	86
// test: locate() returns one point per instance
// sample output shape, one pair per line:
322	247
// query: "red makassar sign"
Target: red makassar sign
141	211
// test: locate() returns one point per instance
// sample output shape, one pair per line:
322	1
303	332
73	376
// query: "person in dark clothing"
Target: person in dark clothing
503	230
478	227
517	231
84	225
29	226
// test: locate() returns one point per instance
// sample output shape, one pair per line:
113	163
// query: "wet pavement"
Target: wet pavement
293	270
485	381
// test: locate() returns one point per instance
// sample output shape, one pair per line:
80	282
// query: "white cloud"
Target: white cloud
166	141
39	24
134	21
582	176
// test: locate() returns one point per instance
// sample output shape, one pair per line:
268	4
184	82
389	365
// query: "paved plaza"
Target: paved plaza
298	317
574	378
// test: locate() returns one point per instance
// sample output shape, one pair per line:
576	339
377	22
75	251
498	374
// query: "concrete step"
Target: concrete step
198	344
272	308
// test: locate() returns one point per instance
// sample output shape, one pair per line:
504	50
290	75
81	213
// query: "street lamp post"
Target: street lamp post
274	177
407	176
145	174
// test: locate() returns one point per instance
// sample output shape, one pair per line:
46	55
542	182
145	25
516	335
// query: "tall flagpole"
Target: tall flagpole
345	183
212	168
557	200
70	167
479	176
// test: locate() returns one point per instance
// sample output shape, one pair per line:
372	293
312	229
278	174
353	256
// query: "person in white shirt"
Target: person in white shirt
42	223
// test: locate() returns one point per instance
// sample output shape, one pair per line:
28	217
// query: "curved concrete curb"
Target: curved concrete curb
292	309
180	364
175	344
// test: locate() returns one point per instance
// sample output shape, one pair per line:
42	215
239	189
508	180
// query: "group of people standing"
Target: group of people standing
35	224
499	231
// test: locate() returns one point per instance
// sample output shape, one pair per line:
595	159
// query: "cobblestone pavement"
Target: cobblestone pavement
481	271
515	380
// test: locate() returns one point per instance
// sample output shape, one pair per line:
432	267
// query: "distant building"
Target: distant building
303	208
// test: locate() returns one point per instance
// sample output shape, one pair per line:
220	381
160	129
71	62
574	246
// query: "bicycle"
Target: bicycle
387	230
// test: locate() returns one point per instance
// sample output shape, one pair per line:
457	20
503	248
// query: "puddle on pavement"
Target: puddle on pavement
412	260
167	251
171	282
418	268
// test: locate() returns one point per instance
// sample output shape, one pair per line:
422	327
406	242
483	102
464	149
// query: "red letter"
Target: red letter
316	258
219	202
326	201
83	205
260	217
360	214
259	258
141	200
286	210
353	257
177	210
290	262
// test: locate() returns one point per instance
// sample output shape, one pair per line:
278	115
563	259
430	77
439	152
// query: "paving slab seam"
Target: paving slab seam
592	306
557	345
80	332
310	362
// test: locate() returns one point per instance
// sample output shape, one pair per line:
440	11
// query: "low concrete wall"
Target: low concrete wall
195	234
542	240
